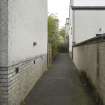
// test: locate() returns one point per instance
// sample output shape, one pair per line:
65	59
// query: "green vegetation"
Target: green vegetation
53	34
62	32
56	37
63	47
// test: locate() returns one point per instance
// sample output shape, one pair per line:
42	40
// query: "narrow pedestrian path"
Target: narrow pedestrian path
61	85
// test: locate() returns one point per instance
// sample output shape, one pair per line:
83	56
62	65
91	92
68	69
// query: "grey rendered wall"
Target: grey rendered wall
91	59
85	58
3	33
102	70
3	52
87	23
22	82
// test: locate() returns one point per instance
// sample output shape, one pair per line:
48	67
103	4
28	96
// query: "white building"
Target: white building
23	47
67	29
67	26
87	19
87	40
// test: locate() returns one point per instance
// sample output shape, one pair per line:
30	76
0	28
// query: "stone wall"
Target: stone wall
90	58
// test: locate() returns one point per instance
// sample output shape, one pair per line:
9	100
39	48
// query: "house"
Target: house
23	47
67	26
87	40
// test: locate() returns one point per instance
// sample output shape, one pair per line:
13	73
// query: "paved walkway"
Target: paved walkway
60	86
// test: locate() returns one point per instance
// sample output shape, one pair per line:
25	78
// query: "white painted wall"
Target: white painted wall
70	41
87	24
70	30
67	27
27	23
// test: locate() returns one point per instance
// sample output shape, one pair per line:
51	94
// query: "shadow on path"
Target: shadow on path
60	85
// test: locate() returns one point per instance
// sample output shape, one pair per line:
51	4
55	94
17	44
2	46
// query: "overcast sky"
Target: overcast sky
59	8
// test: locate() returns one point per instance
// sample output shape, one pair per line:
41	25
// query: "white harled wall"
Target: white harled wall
87	23
27	23
70	30
23	48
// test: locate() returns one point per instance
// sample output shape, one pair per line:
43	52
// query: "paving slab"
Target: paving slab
60	85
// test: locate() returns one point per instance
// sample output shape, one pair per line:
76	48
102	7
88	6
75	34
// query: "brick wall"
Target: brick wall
90	57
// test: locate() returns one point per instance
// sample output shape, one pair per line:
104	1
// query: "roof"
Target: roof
88	7
88	4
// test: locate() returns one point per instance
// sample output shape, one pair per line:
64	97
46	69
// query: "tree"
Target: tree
62	32
64	40
52	27
53	32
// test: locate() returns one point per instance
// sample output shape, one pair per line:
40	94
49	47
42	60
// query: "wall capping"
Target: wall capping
88	7
99	38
